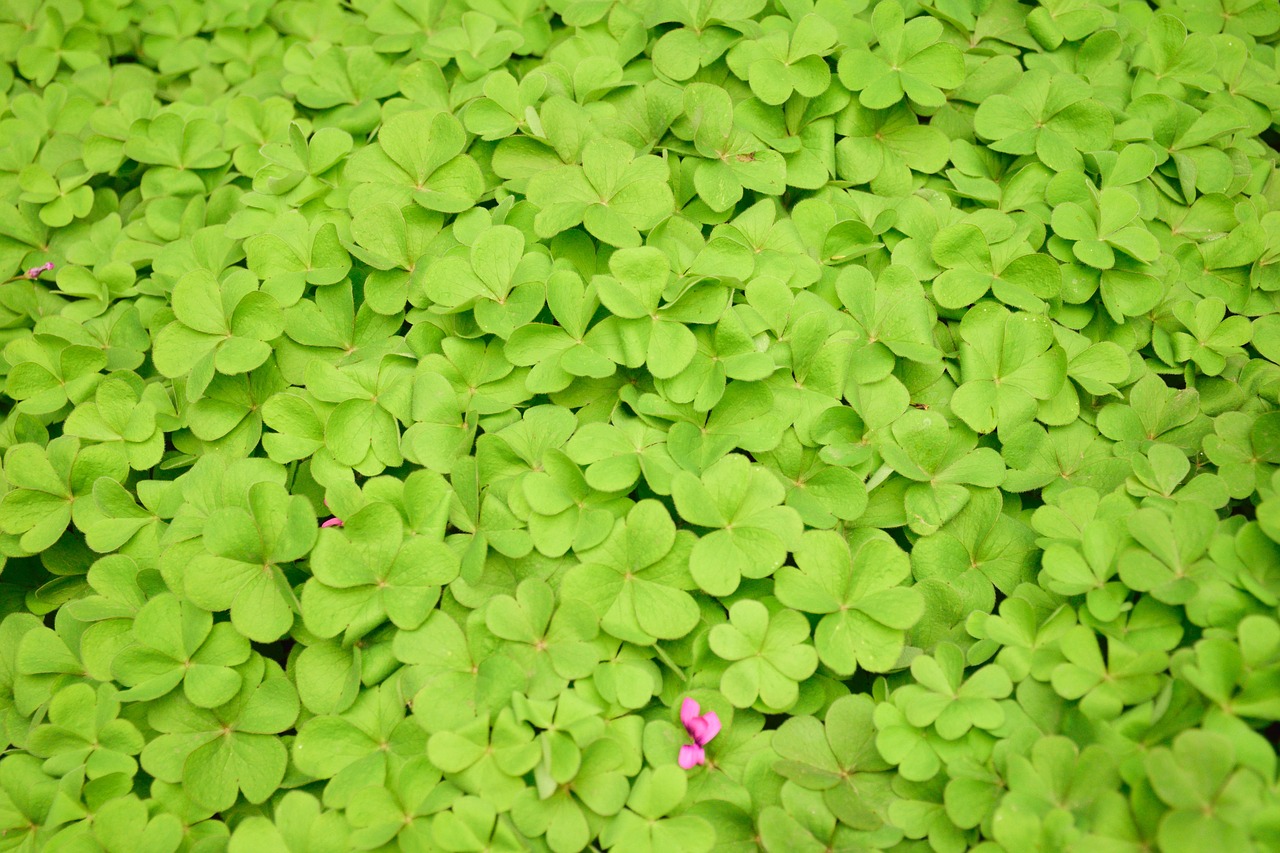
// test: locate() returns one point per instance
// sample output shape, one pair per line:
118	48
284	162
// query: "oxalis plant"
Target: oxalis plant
659	426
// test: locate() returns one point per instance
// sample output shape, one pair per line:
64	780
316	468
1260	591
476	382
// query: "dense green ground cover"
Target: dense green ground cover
895	381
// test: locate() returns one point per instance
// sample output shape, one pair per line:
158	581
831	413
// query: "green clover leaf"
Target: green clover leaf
372	399
298	824
305	168
560	352
400	810
724	352
119	416
1051	116
241	570
1008	363
225	326
895	316
487	757
883	147
367	571
175	642
552	642
419	158
1097	230
295	252
823	494
49	486
636	580
980	548
788	57
1127	676
569	816
1172	556
1242	447
1154	411
218	755
499	283
1203	801
84	728
1089	570
942	459
802	821
471	826
837	755
1028	628
360	747
730	160
61	199
329	327
29	795
617	454
649	824
750	531
1211	336
1056	776
1010	270
948	700
614	194
909	61
769	654
706	32
48	372
644	328
857	583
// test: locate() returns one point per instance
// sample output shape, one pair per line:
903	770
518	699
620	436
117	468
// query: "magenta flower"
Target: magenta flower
333	522
34	272
702	728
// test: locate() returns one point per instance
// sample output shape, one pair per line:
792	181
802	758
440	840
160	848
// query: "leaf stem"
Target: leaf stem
881	474
669	662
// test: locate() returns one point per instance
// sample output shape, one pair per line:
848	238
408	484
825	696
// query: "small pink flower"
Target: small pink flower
34	272
333	522
701	728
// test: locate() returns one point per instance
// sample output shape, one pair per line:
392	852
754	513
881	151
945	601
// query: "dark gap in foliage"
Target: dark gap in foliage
277	651
901	536
772	722
862	681
1243	509
1032	500
1271	136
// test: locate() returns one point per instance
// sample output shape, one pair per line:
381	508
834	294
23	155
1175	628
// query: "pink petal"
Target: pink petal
697	729
333	522
705	728
689	712
691	756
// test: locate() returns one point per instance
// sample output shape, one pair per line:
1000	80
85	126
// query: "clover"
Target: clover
645	427
911	61
768	654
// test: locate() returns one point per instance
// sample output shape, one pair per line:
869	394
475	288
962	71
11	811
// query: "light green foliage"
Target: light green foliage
407	406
